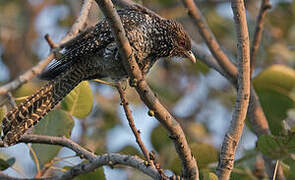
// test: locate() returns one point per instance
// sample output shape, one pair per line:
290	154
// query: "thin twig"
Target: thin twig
79	23
275	170
190	170
209	38
37	69
61	141
31	73
50	42
130	119
232	137
265	5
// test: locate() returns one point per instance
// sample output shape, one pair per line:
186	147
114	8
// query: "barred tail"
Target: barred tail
34	108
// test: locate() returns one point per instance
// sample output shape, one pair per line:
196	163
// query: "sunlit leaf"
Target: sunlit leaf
56	123
275	87
80	101
207	175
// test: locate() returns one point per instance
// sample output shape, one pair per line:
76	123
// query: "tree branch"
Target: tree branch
232	137
265	5
111	160
37	69
95	161
209	38
61	141
130	119
255	112
190	169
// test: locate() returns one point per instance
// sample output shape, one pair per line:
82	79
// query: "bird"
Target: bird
95	54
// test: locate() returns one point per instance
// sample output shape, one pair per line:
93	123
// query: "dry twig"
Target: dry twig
265	5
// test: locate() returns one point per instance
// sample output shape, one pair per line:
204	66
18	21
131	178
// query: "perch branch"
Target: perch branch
190	170
232	137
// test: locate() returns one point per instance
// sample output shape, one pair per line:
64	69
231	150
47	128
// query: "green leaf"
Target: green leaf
26	89
275	88
5	164
288	166
277	147
56	123
159	138
130	150
80	101
93	175
205	154
207	175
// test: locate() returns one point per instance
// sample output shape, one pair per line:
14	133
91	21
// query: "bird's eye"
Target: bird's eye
182	43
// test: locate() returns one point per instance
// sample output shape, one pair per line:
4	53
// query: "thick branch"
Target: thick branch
232	137
265	5
176	133
34	71
94	160
111	159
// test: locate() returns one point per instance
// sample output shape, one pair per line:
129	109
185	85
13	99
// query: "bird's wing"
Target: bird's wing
92	42
87	44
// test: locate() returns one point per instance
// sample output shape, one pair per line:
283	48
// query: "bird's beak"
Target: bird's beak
191	56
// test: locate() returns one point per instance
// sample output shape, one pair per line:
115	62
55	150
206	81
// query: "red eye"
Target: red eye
182	43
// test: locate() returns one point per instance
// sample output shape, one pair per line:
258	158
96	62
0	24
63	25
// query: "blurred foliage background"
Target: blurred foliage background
200	98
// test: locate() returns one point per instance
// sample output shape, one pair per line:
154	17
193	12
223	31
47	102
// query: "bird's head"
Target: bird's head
181	42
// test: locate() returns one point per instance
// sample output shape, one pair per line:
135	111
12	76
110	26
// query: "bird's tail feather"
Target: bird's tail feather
34	108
